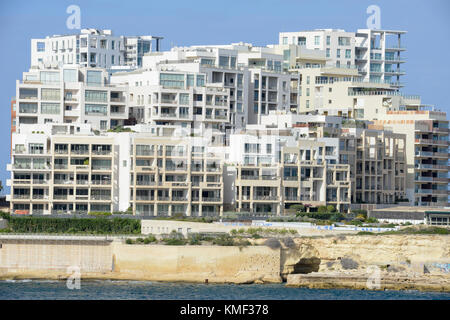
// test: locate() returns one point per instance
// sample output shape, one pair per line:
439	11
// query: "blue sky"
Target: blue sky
222	22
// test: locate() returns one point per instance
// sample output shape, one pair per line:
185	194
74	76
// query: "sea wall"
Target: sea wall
197	263
115	260
405	261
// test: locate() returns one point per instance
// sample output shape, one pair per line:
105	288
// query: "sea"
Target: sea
147	290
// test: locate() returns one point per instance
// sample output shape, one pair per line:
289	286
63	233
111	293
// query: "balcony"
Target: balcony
266	198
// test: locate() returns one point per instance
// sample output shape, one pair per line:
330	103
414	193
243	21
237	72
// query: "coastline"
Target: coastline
405	262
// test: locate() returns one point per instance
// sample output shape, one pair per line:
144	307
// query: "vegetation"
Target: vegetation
74	225
257	233
99	214
411	230
120	129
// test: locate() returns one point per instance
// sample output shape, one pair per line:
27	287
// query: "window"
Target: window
27	107
113	43
93	57
200	80
328	40
285	40
172	80
307	103
224	61
112	59
184	98
328	52
103	124
307	92
70	75
348	53
94	78
96	109
40	46
50	94
49	77
95	96
307	79
50	108
268	148
233	62
338	53
316	40
344	41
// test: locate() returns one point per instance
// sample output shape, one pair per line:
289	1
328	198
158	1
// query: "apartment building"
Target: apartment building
54	171
92	48
377	162
302	176
375	53
67	168
175	177
70	95
177	98
427	136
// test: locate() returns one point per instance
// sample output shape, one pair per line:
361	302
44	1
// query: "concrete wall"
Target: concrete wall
197	263
89	256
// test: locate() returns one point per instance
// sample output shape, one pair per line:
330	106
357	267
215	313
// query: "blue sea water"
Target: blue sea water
146	290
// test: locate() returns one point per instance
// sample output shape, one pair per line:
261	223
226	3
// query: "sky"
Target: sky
184	23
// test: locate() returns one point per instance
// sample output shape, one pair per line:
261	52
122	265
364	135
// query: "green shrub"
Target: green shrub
99	225
331	208
140	240
150	238
94	213
129	241
224	240
322	209
174	242
298	207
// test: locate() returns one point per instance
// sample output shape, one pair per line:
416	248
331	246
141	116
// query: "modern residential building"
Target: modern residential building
105	123
375	53
70	95
91	48
67	168
427	136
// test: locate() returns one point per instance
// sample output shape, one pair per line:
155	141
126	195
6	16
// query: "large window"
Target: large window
70	75
49	77
172	80
26	93
224	61
50	108
94	78
96	96
27	107
50	94
96	109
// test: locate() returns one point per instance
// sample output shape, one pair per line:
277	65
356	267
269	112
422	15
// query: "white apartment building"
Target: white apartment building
67	168
427	136
91	48
375	53
70	94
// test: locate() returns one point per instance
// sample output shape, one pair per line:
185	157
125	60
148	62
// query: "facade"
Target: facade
427	153
91	48
70	95
376	54
105	123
